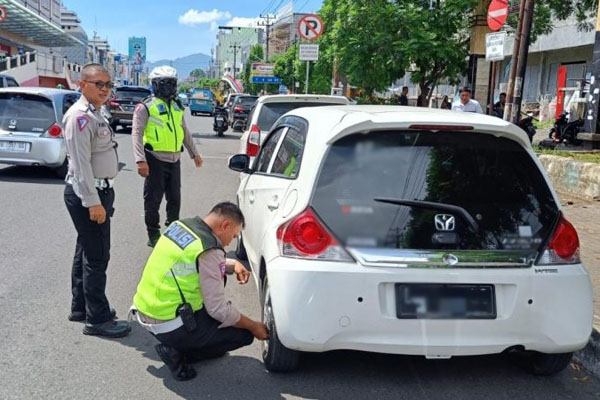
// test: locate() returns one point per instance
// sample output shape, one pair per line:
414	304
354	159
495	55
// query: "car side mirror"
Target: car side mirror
240	163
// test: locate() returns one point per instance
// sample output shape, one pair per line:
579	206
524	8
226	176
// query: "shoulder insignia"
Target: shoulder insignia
82	123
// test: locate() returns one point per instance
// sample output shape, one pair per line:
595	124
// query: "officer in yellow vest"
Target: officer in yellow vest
159	135
181	296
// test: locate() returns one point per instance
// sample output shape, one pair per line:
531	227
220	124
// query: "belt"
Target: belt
104	183
157	329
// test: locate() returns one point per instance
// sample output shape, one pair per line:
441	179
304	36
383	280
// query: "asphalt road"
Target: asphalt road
42	355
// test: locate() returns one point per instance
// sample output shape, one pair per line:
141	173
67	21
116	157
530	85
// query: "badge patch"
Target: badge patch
161	108
82	123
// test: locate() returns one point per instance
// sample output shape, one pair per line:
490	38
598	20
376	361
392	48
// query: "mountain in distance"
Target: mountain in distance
183	65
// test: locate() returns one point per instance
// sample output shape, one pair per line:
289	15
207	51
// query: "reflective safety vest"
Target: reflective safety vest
177	249
164	130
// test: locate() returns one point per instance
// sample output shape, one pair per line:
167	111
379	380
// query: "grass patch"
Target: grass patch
543	125
586	157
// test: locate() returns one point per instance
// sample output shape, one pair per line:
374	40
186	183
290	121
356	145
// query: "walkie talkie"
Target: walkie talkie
184	310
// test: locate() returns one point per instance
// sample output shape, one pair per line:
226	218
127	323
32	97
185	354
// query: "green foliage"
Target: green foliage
256	55
198	73
200	83
290	69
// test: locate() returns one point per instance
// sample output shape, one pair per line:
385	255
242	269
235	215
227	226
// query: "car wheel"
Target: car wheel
543	364
61	171
240	251
276	356
114	126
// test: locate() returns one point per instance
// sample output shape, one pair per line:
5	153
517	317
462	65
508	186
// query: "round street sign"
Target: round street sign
497	14
310	27
2	14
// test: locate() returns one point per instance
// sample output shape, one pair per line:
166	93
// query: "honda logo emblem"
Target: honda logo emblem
445	222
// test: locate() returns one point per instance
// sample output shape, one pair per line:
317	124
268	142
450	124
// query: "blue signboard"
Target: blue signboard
266	79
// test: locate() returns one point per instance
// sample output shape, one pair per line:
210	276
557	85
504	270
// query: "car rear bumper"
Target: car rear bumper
321	306
47	152
204	109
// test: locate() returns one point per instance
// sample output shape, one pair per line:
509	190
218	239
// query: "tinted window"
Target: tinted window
493	179
11	82
264	158
135	95
25	112
68	101
245	101
288	159
270	112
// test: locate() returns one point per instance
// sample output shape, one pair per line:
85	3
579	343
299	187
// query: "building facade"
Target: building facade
233	46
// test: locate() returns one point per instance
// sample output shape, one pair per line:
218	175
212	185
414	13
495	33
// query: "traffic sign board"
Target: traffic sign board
497	14
2	14
310	27
309	52
494	46
266	79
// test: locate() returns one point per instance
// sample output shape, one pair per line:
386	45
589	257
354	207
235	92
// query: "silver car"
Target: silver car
31	130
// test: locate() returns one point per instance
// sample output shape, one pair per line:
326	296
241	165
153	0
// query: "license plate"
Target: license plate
128	108
445	301
220	119
14	147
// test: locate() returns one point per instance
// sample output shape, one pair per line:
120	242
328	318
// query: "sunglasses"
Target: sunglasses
101	85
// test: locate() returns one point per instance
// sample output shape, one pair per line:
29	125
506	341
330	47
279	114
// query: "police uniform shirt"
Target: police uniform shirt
91	150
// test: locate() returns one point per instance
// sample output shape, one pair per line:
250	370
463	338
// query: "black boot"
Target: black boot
174	361
111	329
153	238
78	316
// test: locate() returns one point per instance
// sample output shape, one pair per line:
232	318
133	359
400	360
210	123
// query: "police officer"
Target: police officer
159	134
181	296
89	196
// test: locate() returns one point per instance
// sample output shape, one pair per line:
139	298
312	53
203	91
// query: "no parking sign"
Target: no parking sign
310	27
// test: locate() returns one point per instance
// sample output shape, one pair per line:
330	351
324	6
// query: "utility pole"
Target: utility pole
235	48
522	61
267	24
513	65
591	116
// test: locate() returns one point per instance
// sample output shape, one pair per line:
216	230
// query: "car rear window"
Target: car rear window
25	112
493	179
135	95
270	112
245	101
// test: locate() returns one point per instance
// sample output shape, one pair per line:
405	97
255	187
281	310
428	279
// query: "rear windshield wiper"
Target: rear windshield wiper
434	206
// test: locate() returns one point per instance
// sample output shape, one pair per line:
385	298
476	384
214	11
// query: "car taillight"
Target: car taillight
253	143
305	236
113	104
55	131
563	247
238	109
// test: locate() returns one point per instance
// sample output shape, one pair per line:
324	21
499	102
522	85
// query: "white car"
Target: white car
268	109
410	231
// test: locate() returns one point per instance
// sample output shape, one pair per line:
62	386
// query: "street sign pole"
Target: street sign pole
522	61
307	77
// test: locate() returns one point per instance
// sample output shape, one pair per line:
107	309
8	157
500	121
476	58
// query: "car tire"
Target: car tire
114	126
542	364
240	250
61	171
276	356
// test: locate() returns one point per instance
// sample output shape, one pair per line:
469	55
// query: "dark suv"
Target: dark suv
123	103
239	111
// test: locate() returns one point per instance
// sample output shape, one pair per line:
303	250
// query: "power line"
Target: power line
267	24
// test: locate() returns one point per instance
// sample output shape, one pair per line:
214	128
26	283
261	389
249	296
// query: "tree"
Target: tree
256	55
373	42
290	69
198	73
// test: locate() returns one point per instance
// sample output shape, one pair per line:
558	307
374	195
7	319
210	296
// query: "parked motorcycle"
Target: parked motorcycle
220	120
565	130
527	125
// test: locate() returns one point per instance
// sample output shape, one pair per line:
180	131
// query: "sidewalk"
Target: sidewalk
585	216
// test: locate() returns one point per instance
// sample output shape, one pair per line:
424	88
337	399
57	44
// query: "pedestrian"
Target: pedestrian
403	99
89	196
446	104
181	300
499	106
159	134
466	104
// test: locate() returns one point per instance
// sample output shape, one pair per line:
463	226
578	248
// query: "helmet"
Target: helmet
164	71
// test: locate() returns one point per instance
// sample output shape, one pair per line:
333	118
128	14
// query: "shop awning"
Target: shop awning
26	23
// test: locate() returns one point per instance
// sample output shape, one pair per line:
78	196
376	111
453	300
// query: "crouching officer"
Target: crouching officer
89	197
159	134
181	296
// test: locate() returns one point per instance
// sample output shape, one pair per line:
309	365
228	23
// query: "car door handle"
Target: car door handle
251	197
273	204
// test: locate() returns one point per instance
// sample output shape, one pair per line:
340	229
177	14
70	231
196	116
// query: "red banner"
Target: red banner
560	92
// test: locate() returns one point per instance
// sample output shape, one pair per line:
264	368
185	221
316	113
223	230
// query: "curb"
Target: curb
589	356
574	177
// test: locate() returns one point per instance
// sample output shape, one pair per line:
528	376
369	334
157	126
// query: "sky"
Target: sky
180	28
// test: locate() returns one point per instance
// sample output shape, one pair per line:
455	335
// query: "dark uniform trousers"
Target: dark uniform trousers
207	340
164	180
92	252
